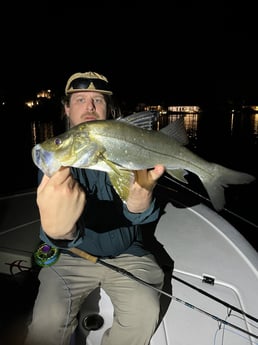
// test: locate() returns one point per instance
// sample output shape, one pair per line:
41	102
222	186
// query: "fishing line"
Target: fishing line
206	199
122	271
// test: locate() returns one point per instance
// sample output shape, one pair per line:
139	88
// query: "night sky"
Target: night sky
188	53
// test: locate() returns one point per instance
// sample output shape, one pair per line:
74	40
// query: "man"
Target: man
79	208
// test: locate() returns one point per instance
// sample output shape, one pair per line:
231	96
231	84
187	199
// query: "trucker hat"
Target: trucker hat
87	81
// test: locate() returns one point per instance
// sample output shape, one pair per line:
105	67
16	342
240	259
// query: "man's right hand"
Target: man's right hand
60	200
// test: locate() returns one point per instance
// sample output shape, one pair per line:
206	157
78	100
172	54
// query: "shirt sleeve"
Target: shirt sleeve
148	216
61	243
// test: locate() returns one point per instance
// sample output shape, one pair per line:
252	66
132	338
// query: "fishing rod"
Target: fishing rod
230	306
47	256
126	273
204	198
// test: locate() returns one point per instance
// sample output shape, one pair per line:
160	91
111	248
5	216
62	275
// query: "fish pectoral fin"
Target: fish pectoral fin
112	165
178	174
120	178
121	181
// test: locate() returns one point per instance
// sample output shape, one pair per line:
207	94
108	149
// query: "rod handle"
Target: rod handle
84	254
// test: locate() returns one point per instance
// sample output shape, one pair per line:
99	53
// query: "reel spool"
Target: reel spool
46	255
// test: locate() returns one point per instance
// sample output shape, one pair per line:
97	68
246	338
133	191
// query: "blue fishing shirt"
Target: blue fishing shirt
106	228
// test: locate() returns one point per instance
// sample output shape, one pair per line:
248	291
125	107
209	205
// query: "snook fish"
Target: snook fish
126	144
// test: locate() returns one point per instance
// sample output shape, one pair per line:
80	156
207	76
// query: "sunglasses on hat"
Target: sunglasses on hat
88	84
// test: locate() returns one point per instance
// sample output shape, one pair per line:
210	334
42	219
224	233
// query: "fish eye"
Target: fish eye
58	141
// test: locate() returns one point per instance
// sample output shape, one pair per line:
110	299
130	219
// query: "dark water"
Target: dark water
221	136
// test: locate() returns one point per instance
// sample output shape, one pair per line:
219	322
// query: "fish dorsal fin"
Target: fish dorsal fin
177	131
142	119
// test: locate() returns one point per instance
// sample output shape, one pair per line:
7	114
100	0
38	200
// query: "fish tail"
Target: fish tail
219	178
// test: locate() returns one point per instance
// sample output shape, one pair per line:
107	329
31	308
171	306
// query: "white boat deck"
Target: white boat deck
212	256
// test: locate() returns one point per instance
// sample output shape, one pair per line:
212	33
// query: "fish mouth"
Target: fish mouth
44	160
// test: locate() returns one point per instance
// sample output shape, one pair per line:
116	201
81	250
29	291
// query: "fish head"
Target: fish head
45	160
73	148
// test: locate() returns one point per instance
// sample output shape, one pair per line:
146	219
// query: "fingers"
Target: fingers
58	178
61	201
156	172
61	175
140	194
147	178
43	183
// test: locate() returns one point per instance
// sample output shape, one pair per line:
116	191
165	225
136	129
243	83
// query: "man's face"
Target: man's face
86	106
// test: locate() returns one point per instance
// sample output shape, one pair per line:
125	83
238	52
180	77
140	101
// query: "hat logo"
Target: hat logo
91	86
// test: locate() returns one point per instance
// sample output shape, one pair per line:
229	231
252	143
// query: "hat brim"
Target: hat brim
104	92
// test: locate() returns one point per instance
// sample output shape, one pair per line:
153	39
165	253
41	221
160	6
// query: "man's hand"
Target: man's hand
61	201
147	179
140	194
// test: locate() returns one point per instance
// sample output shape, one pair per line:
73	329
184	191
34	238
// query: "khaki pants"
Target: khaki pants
65	285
